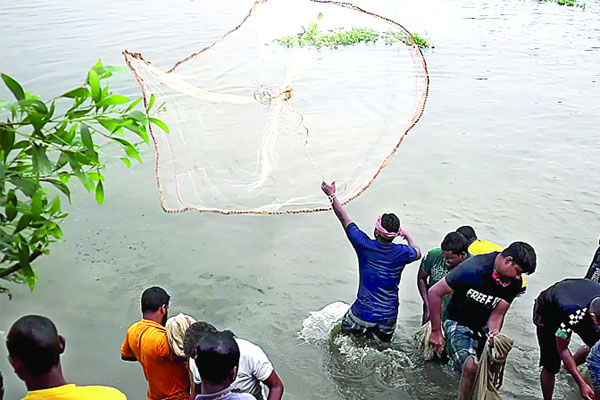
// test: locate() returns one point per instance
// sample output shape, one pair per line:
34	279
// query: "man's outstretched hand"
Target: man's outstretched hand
328	188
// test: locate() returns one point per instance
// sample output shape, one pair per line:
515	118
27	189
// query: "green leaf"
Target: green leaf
94	82
129	148
36	204
40	160
60	186
126	161
99	193
140	131
13	86
86	137
80	92
139	116
113	100
23	222
26	186
320	17
129	107
26	272
56	232
55	207
160	123
109	68
96	176
64	177
37	105
84	178
150	103
10	210
2	178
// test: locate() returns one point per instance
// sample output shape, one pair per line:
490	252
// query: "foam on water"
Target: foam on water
318	325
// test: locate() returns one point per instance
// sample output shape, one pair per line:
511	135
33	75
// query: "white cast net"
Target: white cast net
256	125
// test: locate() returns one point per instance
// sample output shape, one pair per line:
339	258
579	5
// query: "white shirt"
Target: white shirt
254	367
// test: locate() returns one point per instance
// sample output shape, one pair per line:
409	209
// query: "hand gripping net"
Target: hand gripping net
255	125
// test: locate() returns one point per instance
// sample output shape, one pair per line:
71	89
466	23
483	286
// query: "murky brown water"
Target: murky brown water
508	143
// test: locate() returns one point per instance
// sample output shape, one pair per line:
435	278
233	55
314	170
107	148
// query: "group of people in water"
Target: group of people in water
467	286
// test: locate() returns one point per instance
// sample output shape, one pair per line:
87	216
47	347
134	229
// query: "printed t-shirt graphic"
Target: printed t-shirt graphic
380	268
476	292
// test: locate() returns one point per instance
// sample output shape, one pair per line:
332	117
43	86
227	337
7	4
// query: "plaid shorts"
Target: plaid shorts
461	343
593	364
381	330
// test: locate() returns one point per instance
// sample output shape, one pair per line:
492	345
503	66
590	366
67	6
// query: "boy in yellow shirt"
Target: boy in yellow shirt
34	349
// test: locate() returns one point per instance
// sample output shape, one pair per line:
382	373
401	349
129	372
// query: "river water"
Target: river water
508	143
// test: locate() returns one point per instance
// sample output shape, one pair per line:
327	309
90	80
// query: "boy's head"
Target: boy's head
454	249
192	336
156	300
217	357
518	258
34	346
468	232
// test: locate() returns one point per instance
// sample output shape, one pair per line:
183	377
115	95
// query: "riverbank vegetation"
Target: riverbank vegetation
43	145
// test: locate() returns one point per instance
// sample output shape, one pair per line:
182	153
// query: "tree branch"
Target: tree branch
15	267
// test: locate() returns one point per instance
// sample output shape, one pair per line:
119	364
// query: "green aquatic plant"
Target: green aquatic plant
569	3
43	144
312	36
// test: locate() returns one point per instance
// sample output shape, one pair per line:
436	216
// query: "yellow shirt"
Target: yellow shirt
485	247
74	392
167	374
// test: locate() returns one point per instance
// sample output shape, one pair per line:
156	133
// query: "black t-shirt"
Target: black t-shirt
563	308
476	292
593	272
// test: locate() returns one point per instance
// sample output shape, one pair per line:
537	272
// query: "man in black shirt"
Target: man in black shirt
593	272
482	289
571	305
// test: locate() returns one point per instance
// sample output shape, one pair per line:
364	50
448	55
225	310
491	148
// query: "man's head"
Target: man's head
34	347
454	249
192	336
468	232
594	310
155	304
518	258
387	227
217	357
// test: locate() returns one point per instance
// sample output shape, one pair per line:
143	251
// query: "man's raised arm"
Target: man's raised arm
338	209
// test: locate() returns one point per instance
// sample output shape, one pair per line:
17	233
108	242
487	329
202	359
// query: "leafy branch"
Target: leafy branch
43	144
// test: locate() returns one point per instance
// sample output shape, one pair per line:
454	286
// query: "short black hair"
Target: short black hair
217	354
468	232
192	336
390	222
1	385
455	242
595	306
34	340
153	298
523	255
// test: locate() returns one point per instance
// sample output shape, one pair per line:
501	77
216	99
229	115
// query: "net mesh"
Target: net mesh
255	125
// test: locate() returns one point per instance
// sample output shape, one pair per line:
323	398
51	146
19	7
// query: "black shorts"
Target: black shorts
546	335
549	357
